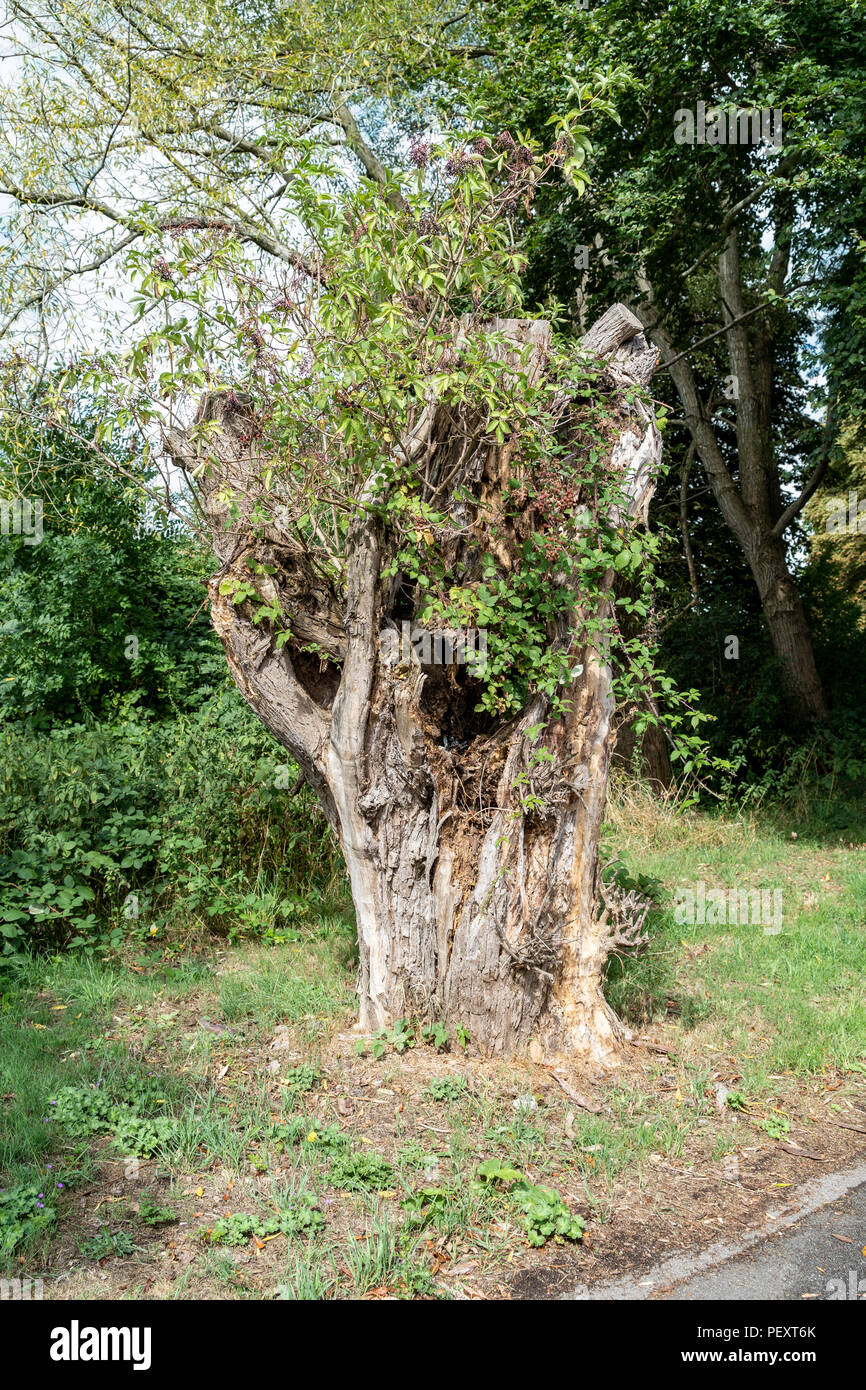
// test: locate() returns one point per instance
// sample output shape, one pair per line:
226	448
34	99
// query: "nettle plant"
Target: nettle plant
385	434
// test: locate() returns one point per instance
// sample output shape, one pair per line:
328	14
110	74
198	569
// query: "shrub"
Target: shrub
140	829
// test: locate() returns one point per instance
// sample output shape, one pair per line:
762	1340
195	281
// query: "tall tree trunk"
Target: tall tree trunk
473	863
752	507
787	624
655	763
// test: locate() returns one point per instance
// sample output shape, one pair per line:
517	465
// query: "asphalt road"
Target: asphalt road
815	1250
807	1261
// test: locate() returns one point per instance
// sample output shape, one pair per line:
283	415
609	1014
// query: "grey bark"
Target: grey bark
753	509
469	908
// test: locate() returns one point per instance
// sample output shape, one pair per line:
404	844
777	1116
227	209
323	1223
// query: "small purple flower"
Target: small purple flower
60	1184
54	1102
41	1205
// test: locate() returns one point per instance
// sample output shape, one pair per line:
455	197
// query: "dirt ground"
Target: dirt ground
721	1174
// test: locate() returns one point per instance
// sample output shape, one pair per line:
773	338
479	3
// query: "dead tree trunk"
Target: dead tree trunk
472	906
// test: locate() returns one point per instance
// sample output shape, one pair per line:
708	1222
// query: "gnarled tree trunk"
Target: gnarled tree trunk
475	903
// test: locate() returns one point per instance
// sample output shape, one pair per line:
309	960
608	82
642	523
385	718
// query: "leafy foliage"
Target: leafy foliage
407	1033
24	1213
83	1111
300	1216
153	1213
448	1087
106	1243
356	1172
117	831
104	615
301	1079
428	1205
777	1126
308	1131
545	1215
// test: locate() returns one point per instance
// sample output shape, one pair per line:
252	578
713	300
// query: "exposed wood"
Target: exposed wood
799	1152
580	1100
469	908
618	325
840	1124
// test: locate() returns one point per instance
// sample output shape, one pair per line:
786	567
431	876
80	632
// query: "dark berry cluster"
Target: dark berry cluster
253	334
456	163
557	494
428	224
419	153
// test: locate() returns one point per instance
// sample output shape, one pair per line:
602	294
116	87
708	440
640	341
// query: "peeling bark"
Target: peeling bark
469	908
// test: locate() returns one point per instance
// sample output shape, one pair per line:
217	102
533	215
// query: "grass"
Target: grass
317	986
787	1002
244	1047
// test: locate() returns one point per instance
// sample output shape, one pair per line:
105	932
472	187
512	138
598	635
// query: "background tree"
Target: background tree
738	257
